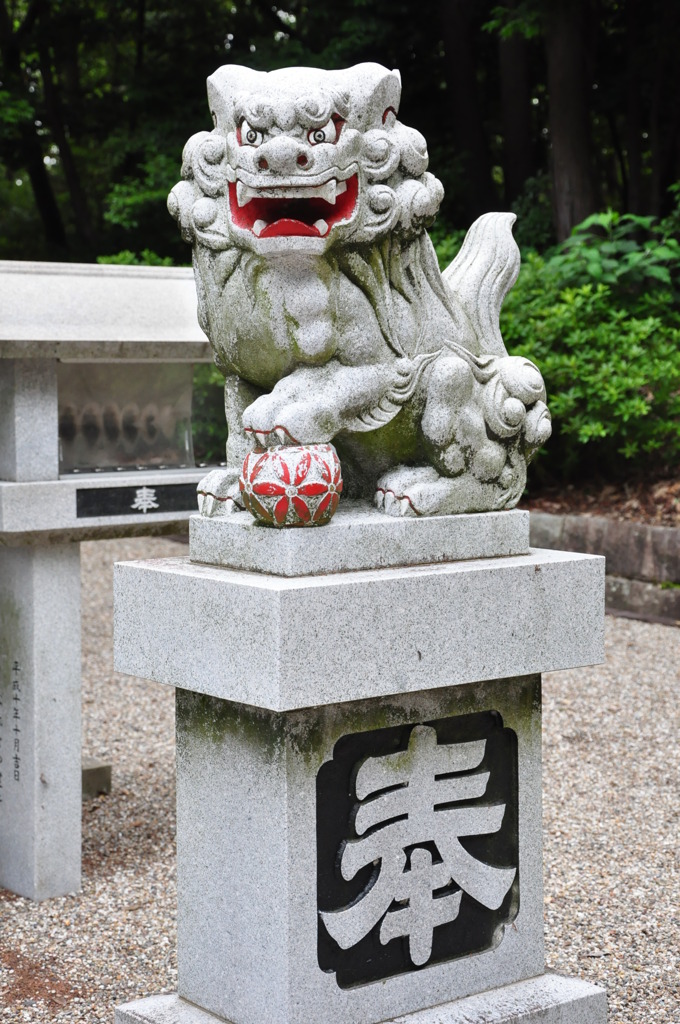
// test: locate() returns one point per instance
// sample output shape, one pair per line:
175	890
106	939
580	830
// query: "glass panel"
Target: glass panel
123	415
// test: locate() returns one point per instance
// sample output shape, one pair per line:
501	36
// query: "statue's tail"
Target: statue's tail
483	273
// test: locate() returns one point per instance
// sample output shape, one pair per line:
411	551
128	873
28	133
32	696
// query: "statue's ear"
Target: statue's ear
224	85
373	91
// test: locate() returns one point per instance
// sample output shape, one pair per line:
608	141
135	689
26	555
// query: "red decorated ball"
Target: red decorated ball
292	485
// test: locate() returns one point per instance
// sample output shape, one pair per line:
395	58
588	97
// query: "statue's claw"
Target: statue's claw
218	494
406	491
271	438
393	504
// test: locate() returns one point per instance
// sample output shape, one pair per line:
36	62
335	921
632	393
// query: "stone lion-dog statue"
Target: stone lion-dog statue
318	286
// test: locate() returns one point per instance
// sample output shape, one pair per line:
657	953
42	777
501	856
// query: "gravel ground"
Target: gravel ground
611	822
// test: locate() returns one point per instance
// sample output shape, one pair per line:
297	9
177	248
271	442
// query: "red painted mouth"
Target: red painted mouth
269	217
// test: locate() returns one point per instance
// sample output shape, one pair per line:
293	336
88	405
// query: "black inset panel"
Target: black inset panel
126	501
476	927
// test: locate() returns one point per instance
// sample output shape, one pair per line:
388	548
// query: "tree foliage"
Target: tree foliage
557	108
600	314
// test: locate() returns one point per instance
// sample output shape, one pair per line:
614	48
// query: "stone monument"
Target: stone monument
95	407
358	704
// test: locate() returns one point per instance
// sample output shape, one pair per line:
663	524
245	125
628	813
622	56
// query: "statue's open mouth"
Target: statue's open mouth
310	210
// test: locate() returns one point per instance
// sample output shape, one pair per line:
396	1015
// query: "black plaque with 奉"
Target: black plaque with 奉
127	501
474	928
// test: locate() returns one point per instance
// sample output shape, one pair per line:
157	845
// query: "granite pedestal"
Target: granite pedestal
359	773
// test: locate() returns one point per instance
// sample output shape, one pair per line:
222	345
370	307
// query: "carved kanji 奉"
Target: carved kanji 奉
406	802
307	207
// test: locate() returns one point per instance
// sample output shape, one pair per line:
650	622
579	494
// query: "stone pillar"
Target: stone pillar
40	806
29	420
359	767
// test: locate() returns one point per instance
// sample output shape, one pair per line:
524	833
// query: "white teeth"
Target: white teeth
327	191
321	227
259	226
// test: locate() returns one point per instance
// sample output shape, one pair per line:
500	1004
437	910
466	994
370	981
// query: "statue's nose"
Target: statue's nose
284	155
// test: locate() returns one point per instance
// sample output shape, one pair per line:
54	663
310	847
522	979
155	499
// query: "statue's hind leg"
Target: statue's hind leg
422	491
468	470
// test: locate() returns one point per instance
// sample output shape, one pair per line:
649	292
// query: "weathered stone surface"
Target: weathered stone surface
642	562
549	999
283	643
643	600
358	537
40	809
320	292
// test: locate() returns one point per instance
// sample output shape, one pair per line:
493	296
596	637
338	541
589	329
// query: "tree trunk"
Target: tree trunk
518	164
634	33
468	129
664	127
32	158
58	128
139	37
574	195
30	150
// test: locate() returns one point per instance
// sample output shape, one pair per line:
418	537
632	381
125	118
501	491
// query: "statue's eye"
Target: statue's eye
329	133
249	136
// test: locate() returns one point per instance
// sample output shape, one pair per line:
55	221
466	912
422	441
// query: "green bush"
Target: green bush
600	315
209	426
146	258
534	225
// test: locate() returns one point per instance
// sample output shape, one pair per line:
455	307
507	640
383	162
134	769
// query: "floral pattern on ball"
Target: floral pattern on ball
292	485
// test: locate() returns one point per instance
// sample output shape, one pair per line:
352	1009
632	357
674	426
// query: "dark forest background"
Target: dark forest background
565	111
557	108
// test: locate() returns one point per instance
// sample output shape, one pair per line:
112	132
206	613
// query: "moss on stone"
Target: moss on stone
217	720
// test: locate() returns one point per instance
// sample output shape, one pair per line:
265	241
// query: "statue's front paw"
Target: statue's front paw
218	493
301	422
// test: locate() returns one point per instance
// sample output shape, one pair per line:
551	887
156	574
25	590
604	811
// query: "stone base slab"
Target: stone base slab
549	999
96	776
358	537
284	643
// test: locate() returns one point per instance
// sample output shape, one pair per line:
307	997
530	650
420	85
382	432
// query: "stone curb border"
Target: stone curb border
643	562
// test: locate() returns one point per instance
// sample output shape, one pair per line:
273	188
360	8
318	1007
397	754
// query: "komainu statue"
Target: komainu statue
307	207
